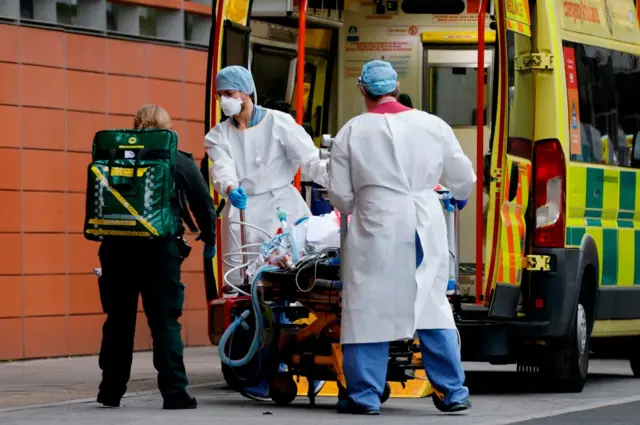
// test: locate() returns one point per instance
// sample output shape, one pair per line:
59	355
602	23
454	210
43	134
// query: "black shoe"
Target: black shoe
450	408
347	406
108	401
181	402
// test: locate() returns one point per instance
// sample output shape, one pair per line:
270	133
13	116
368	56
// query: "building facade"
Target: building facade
67	69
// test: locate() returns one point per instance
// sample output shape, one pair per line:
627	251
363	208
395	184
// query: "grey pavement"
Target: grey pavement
56	380
499	396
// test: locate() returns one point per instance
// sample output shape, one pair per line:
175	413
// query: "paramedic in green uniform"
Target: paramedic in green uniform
152	269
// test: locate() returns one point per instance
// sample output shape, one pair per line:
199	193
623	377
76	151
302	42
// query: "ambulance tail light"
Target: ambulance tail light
549	182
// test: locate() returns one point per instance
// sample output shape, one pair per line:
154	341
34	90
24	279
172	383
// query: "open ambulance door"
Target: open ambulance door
509	172
228	45
450	88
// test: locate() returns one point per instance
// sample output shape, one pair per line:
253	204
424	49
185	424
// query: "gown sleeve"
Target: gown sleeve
340	189
223	170
301	150
458	170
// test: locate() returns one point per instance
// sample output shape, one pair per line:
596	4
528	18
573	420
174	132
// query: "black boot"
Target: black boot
180	402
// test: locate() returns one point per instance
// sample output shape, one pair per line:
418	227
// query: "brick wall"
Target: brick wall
56	90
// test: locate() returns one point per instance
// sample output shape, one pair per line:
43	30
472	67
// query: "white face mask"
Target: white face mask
230	105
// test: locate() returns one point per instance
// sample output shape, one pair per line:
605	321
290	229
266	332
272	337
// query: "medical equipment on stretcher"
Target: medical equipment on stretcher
287	313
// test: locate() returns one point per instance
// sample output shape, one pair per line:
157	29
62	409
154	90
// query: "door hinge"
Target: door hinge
539	61
537	263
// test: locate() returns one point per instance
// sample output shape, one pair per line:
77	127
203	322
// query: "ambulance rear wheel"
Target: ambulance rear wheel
634	358
568	362
283	389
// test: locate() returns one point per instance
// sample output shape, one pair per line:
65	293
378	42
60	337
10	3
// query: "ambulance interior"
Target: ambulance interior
444	84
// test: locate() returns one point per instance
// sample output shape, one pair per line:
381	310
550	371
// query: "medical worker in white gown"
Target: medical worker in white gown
383	167
255	154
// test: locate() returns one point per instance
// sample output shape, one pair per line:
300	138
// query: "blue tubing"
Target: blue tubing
255	343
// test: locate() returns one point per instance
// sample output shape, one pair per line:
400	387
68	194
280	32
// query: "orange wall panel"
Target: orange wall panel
195	66
83	254
9	83
195	102
44	212
120	121
11	332
42	47
11	299
85	334
86	91
76	207
81	127
77	171
45	253
43	170
11	212
45	337
10	124
165	62
196	298
84	294
45	295
9	52
142	339
126	57
9	168
168	94
43	128
10	254
195	137
126	94
86	53
42	86
196	324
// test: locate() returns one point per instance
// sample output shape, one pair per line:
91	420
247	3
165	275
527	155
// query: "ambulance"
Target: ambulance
544	97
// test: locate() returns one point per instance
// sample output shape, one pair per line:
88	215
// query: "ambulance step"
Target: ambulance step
473	312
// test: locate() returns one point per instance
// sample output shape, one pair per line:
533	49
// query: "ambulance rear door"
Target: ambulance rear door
509	173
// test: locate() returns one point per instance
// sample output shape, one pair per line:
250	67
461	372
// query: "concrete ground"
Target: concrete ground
499	396
55	380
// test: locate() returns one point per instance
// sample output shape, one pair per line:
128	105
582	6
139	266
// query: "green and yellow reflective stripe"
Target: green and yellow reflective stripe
625	260
124	202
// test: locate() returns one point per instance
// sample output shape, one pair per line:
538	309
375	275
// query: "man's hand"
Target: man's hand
238	198
459	204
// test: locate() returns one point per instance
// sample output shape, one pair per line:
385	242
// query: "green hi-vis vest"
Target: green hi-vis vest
131	186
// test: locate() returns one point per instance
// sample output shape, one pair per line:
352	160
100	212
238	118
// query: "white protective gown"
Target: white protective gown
262	159
382	170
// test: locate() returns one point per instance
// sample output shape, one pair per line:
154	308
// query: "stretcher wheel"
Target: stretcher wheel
283	389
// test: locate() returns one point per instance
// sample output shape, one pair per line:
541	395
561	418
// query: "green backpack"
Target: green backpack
131	185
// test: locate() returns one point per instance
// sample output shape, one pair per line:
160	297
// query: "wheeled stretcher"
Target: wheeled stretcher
299	341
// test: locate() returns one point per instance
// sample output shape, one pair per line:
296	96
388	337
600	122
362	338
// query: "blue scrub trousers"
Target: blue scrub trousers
365	368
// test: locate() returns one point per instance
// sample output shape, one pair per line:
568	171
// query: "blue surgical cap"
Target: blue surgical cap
378	78
235	78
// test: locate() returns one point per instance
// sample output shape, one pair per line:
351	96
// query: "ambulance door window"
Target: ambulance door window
451	85
607	113
271	68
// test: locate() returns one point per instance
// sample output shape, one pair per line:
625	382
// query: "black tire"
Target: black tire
635	366
283	389
567	363
634	357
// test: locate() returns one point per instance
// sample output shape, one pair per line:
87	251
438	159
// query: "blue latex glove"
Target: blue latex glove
209	251
238	198
459	204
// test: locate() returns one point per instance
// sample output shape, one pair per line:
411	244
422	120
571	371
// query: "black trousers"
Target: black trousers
151	269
